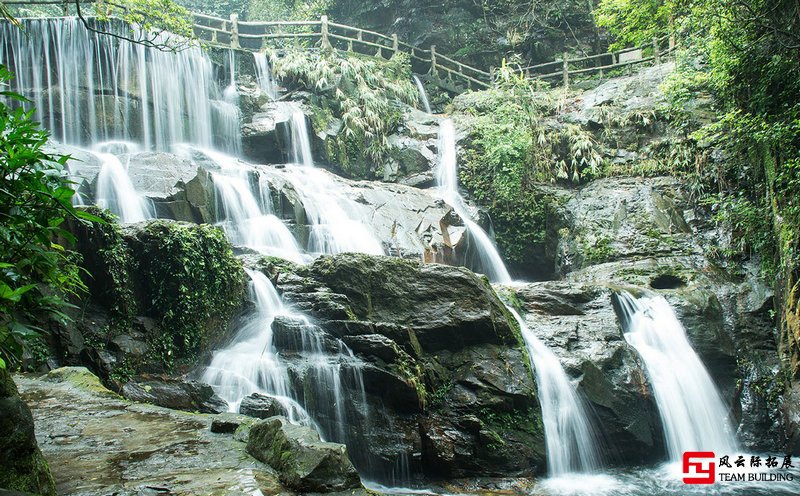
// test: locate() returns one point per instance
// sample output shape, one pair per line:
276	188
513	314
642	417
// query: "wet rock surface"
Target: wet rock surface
22	466
577	322
174	393
98	443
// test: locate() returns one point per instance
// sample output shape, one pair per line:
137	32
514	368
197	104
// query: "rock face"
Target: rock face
304	462
22	466
131	448
647	232
445	373
161	295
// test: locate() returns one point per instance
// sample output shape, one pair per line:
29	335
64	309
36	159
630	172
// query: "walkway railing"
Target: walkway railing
442	70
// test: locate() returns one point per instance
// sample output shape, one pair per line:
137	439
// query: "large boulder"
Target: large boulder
162	294
260	406
304	462
449	389
174	393
22	466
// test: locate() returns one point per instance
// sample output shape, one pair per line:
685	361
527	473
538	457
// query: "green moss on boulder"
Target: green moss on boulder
22	466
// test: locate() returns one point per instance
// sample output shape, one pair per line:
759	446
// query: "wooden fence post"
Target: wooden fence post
395	43
326	43
491	75
566	70
235	31
434	71
656	52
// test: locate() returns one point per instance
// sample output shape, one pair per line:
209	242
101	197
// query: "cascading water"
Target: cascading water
423	95
116	193
247	218
301	140
324	376
251	364
569	434
227	111
89	87
692	411
447	179
337	224
264	75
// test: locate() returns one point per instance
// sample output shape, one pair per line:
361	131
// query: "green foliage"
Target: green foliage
37	272
600	251
286	10
363	92
510	148
634	22
150	15
218	8
194	283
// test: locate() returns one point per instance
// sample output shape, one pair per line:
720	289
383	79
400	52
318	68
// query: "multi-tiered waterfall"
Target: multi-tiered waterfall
122	97
569	434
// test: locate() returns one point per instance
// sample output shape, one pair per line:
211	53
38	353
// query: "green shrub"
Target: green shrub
364	92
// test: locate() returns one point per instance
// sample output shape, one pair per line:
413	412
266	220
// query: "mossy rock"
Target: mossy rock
22	466
303	461
81	378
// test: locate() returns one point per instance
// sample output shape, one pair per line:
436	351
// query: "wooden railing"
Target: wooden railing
568	67
442	70
325	34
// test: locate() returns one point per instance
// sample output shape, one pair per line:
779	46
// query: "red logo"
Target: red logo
698	467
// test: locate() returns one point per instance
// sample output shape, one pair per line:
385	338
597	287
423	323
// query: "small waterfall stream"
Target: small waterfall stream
264	75
423	95
447	179
116	193
692	411
569	434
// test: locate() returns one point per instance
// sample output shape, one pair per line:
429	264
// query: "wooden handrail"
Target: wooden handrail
230	30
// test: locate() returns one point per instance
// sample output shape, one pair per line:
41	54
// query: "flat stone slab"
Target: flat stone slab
102	444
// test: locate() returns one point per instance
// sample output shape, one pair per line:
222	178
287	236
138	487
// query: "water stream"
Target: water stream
447	179
693	414
423	95
569	434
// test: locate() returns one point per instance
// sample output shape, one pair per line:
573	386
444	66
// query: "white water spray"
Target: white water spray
692	412
116	193
447	179
569	435
264	75
423	95
301	140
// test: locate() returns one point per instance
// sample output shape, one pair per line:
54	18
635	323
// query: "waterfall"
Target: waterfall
251	364
246	216
337	223
423	95
692	412
264	75
569	435
326	378
301	140
447	179
116	193
89	87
